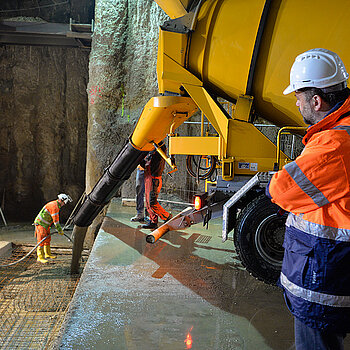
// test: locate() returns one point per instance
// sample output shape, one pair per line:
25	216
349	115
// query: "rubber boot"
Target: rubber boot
47	250
40	253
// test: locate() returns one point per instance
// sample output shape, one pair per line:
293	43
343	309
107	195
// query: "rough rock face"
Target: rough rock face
43	126
122	75
122	79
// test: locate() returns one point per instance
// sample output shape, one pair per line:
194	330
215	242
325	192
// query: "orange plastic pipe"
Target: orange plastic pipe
156	234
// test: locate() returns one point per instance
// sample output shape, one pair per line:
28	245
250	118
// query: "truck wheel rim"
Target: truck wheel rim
269	238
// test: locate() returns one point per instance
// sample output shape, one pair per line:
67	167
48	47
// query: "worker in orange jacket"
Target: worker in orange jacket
48	216
154	165
315	190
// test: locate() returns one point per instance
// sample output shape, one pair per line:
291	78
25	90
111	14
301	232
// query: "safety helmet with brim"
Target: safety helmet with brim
319	68
65	198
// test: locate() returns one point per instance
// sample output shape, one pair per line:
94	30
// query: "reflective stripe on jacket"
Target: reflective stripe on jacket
315	190
49	215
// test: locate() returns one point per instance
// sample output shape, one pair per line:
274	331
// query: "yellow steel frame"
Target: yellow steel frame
161	116
170	63
173	8
285	131
212	111
241	148
194	145
243	107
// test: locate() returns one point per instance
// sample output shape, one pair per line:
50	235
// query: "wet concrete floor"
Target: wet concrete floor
186	291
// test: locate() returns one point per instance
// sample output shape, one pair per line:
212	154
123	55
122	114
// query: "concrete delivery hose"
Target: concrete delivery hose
17	261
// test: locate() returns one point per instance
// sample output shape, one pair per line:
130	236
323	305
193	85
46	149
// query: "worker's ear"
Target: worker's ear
317	103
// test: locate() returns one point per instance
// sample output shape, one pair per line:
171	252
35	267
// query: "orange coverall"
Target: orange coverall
47	216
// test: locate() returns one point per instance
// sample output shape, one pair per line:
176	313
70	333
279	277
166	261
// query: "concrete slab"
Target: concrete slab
186	291
5	249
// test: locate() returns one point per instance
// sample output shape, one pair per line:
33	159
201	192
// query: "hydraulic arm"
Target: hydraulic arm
161	115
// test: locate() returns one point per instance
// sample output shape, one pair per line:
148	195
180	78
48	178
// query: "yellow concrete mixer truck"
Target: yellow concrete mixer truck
240	51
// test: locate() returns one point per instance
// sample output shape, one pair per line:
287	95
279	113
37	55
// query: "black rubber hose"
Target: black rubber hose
106	188
209	170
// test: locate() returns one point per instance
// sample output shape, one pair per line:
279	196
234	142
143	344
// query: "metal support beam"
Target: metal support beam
45	34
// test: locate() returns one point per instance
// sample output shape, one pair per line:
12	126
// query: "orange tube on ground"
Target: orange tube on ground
156	234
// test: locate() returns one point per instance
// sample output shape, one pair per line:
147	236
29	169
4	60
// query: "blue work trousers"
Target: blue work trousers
140	192
307	338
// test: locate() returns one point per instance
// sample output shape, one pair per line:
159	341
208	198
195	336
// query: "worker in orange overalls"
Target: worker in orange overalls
154	166
315	190
47	216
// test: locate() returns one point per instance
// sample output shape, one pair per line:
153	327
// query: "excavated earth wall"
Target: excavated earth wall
43	126
43	123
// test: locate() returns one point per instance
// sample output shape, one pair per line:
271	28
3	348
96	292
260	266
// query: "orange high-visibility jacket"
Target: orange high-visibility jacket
49	215
315	189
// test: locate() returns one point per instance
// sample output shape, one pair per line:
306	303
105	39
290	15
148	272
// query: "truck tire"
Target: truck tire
258	239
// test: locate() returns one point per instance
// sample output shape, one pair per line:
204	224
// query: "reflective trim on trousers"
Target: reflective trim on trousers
318	230
314	297
305	184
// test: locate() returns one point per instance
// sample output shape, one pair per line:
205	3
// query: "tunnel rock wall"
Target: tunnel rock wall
122	80
43	126
122	76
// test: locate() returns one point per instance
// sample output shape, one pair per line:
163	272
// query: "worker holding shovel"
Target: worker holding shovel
47	216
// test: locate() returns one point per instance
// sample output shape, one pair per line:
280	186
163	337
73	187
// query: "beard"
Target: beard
308	114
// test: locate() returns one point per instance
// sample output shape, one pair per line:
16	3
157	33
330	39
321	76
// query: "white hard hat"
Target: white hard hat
318	68
65	198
